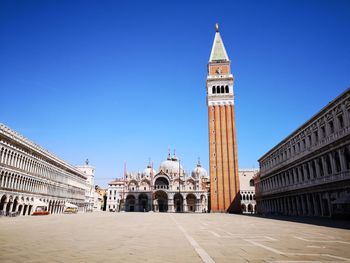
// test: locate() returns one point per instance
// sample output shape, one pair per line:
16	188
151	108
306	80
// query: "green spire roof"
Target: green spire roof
218	51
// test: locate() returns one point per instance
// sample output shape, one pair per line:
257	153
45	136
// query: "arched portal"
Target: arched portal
2	202
191	203
143	203
161	183
250	208
243	208
130	203
178	202
161	201
15	204
25	209
20	209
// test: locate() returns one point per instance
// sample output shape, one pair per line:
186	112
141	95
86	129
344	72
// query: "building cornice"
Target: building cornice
20	139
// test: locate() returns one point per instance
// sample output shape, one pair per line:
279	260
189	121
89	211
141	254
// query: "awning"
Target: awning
67	204
37	203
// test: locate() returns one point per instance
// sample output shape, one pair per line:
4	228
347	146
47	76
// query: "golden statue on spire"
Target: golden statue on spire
217	27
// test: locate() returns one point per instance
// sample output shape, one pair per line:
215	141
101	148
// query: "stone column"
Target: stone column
321	204
298	213
306	174
324	164
309	206
4	206
312	175
330	207
341	153
316	207
331	156
304	205
185	205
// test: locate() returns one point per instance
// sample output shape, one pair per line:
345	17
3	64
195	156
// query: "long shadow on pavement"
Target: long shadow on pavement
327	222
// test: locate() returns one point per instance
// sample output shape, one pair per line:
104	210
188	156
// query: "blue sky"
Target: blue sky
117	81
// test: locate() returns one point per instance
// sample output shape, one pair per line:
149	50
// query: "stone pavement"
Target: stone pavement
162	237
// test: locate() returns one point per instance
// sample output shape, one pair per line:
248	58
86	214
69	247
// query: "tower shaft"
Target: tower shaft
224	180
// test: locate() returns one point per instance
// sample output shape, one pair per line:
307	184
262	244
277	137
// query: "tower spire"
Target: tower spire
218	51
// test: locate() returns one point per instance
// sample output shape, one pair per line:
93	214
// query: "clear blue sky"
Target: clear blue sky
125	80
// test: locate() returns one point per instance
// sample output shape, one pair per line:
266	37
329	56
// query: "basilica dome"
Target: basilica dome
147	171
171	165
199	171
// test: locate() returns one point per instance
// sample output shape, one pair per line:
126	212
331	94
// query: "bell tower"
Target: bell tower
224	179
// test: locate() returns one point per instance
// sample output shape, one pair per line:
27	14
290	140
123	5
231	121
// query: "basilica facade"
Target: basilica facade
170	189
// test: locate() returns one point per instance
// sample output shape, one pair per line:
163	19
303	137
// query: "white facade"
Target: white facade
89	172
247	189
30	175
308	173
168	190
115	192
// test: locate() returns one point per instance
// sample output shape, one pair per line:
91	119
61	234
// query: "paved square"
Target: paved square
162	237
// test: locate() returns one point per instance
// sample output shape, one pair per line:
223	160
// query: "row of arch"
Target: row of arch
32	164
331	163
23	206
247	197
160	202
20	182
163	183
250	208
299	144
220	89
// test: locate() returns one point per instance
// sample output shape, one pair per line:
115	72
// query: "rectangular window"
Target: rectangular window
341	121
316	136
323	132
331	127
310	140
304	144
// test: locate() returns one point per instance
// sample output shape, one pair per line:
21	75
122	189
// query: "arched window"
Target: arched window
226	89
251	182
222	89
218	89
213	90
243	197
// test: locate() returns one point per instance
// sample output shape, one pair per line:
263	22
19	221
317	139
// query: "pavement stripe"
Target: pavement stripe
322	241
199	250
265	247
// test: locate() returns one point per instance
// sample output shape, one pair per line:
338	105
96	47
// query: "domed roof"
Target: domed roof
199	171
147	171
171	165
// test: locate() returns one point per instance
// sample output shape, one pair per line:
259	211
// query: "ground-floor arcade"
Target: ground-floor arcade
19	204
165	201
314	202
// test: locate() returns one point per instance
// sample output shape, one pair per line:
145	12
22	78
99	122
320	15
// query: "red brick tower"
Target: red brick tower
224	180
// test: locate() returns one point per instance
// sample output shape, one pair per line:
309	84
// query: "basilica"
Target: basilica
170	189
